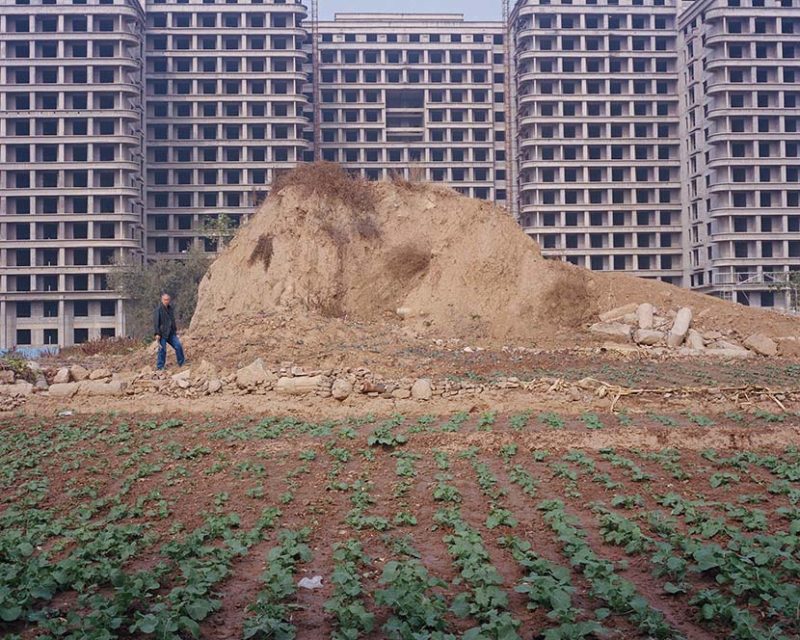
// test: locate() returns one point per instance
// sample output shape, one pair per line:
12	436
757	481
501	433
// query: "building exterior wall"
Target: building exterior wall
417	96
598	133
741	66
225	109
71	156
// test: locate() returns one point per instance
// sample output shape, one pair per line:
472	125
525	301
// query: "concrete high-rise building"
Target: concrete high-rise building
70	166
598	133
415	95
655	137
740	61
224	107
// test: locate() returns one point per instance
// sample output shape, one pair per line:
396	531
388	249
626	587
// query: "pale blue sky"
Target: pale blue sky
472	9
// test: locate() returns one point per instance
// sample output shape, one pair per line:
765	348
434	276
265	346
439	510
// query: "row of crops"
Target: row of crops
113	528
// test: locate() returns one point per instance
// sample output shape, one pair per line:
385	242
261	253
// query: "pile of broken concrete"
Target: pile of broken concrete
643	326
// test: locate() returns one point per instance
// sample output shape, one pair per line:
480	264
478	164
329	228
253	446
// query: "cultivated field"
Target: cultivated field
466	525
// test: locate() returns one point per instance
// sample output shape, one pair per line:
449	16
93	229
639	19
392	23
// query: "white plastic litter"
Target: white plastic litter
310	583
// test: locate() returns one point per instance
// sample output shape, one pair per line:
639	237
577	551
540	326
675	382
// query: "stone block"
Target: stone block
762	345
680	328
619	312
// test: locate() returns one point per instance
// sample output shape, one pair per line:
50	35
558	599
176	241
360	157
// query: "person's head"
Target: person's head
165	299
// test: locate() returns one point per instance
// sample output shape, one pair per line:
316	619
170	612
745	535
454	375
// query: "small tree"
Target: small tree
142	284
219	229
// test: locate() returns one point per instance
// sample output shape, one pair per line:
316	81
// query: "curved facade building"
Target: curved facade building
71	151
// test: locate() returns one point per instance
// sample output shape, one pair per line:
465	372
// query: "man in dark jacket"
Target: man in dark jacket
166	332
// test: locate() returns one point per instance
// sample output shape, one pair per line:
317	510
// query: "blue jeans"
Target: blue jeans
175	343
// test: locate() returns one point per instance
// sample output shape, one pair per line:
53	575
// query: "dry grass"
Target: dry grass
408	261
104	347
262	252
330	181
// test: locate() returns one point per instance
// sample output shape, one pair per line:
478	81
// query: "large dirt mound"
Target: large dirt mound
337	247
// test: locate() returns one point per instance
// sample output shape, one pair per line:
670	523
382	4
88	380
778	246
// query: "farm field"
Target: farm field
481	525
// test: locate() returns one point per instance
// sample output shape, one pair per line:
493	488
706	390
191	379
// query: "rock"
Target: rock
762	345
41	383
712	335
63	389
695	340
298	386
17	390
405	312
183	376
737	352
253	375
422	389
7	376
62	376
619	312
99	374
341	389
78	373
214	386
401	394
680	328
620	349
648	337
612	329
99	388
645	316
204	371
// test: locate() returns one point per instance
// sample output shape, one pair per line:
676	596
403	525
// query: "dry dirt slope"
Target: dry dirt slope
331	246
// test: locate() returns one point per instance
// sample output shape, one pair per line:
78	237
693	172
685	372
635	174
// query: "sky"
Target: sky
472	9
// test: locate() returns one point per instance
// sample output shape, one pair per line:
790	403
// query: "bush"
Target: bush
142	286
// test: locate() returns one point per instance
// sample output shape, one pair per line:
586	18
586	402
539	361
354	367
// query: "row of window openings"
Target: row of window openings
226	109
616	109
763	124
50	101
455	96
185	200
224	43
759	50
80	309
181	245
766	224
593	43
50	153
765	199
604	218
765	249
378	56
24	337
225	132
71	231
629	130
762	25
761	75
779	149
67	179
77	128
598	87
183	222
49	257
599	65
228	20
417	76
51	49
50	283
763	174
228	65
83	75
597	21
412	38
601	196
762	101
618	263
50	24
593	152
434	115
225	87
616	240
600	174
49	205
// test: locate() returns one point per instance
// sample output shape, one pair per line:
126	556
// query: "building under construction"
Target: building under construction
657	137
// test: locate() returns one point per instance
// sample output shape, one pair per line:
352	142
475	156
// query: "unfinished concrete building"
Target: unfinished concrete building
71	156
418	96
741	91
598	133
225	104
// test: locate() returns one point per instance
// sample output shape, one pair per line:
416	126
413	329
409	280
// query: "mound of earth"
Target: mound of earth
336	247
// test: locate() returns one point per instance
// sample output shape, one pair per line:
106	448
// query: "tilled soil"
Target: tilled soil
236	463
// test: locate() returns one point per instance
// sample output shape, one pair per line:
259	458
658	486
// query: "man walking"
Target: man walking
166	332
